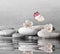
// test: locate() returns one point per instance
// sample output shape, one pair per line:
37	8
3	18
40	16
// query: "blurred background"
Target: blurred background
15	12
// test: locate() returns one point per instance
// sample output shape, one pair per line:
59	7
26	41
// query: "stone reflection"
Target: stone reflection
35	44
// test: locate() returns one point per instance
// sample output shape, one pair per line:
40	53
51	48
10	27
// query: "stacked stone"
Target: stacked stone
6	39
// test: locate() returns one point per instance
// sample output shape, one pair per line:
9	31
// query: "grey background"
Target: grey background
14	12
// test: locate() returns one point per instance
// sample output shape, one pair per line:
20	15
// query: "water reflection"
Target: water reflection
48	45
37	44
30	44
45	41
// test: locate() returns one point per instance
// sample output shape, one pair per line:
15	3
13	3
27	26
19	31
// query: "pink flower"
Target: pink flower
38	17
36	14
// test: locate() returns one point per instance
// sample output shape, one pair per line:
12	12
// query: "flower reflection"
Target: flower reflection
27	52
46	46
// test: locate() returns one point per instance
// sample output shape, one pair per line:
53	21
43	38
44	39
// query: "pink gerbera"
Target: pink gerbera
38	17
36	14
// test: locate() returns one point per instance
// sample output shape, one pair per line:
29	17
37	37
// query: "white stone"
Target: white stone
44	34
27	31
16	35
7	32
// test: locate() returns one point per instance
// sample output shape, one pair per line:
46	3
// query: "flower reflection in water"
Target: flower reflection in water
47	48
27	52
47	45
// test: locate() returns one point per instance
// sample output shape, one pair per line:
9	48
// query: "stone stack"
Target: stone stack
6	39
